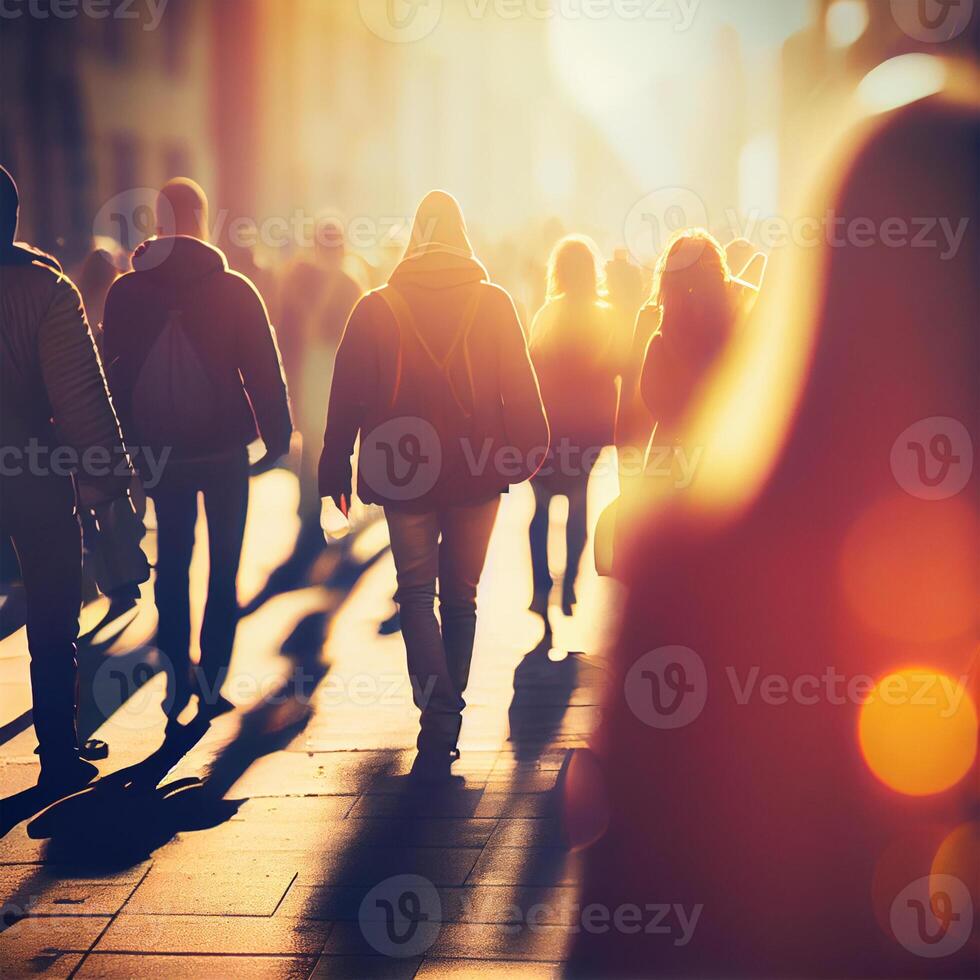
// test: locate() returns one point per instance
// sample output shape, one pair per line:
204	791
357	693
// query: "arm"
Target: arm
262	374
355	379
524	416
76	387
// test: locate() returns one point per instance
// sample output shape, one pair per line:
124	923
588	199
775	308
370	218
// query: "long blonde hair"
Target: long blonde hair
575	270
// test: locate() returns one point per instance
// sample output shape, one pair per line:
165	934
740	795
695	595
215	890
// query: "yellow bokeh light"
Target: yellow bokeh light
918	731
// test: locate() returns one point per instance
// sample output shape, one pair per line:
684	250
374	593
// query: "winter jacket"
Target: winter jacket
578	351
444	397
225	321
54	405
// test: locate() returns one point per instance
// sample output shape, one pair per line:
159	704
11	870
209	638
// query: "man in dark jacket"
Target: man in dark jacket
195	371
56	420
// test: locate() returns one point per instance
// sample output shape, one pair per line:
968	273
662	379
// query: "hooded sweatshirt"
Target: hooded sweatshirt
444	396
225	321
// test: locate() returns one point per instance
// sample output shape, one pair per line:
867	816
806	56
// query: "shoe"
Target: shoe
432	767
66	775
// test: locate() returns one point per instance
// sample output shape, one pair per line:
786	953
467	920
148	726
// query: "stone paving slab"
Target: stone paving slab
209	934
34	946
210	893
365	968
125	966
436	969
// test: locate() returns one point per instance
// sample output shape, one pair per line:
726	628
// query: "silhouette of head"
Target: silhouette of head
693	265
9	204
330	243
575	269
439	226
182	209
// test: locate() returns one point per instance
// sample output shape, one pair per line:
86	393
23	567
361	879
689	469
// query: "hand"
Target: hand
268	461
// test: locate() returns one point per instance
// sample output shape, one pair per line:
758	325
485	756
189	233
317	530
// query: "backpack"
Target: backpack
173	400
408	331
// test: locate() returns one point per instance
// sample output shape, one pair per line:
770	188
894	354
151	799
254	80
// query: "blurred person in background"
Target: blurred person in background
578	347
691	318
832	530
695	305
195	372
433	373
95	277
53	394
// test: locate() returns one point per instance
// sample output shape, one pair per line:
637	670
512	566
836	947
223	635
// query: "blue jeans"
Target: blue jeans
448	545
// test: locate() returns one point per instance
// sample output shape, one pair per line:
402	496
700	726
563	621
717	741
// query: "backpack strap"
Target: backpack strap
408	327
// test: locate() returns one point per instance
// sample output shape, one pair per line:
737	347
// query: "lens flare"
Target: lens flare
918	731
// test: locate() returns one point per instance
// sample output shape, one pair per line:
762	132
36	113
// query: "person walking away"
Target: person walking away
195	372
433	373
578	349
53	396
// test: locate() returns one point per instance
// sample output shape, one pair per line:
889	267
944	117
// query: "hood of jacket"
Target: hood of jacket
437	268
178	259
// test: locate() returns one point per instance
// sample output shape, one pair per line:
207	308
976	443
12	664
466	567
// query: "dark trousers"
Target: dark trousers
49	551
223	482
576	531
449	545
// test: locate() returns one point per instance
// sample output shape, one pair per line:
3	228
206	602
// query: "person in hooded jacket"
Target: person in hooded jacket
53	396
434	375
195	371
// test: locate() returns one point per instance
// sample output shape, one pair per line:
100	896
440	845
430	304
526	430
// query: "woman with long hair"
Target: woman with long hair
578	352
433	373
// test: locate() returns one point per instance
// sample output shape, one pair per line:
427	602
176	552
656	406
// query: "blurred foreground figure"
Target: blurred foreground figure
54	404
578	347
763	810
195	373
434	374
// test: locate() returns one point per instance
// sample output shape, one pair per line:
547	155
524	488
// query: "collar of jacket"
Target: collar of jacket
178	258
436	268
